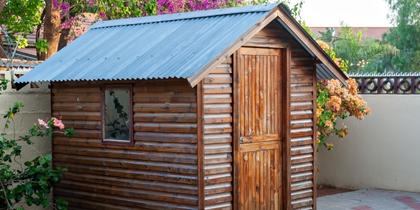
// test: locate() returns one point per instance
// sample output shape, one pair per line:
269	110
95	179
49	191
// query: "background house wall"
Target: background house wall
382	151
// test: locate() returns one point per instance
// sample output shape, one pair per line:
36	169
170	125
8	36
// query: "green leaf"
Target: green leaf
69	132
3	84
61	204
41	45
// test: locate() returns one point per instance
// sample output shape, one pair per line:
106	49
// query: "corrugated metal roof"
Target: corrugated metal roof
322	72
157	47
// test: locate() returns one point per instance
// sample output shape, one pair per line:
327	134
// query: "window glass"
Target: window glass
117	114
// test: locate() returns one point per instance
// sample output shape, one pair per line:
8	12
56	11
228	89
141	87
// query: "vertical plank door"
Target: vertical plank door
257	129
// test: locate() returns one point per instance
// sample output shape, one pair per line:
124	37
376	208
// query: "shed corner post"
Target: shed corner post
235	132
314	138
200	146
286	129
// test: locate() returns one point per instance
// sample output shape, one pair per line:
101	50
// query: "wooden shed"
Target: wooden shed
200	110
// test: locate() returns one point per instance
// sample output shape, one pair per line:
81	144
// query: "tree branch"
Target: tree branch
2	5
9	205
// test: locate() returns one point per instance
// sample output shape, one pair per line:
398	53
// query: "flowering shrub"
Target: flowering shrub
79	24
77	16
336	101
343	64
29	183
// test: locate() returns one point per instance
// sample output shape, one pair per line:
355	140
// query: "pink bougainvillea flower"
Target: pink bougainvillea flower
67	23
80	24
56	4
102	15
58	123
43	123
65	7
91	3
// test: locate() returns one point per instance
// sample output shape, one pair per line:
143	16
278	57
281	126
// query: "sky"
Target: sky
351	12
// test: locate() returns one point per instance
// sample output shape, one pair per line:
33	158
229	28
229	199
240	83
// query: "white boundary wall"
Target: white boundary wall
382	151
36	105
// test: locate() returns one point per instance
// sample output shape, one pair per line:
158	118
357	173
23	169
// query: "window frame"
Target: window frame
130	140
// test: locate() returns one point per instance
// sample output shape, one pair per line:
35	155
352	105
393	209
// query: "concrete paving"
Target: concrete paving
370	199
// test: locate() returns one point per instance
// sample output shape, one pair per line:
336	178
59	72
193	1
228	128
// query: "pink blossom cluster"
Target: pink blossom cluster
207	4
174	6
79	23
63	6
54	121
170	6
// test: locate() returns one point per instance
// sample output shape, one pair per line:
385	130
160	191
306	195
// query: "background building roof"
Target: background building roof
368	32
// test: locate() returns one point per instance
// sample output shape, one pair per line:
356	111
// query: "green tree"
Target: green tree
405	36
362	54
379	56
19	18
327	36
348	46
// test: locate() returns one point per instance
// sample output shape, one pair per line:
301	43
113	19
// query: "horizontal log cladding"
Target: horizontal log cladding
302	128
217	137
157	171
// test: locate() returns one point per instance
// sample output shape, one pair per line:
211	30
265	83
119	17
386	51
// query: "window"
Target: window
117	123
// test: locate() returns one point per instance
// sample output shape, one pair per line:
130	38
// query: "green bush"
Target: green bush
29	183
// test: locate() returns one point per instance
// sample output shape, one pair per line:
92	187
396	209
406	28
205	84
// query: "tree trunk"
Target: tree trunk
2	50
39	55
2	4
52	31
63	38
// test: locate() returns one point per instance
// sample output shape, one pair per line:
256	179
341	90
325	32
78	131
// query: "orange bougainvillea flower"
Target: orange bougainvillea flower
352	86
319	111
334	103
323	45
337	101
334	87
343	132
329	124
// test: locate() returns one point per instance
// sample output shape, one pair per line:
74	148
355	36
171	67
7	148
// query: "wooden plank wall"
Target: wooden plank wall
159	171
302	131
217	136
300	187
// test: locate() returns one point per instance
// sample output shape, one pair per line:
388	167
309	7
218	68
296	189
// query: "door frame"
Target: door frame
285	128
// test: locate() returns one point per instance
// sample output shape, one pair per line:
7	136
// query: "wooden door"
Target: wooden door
257	129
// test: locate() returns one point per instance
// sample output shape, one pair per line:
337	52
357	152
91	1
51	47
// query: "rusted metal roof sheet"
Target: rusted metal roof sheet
158	47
